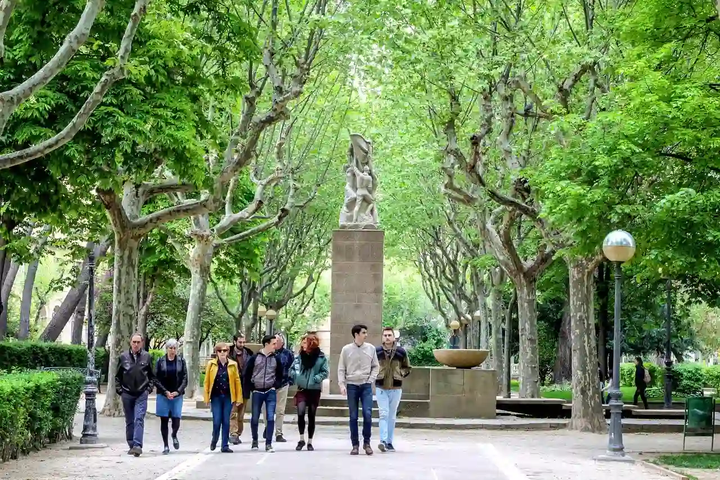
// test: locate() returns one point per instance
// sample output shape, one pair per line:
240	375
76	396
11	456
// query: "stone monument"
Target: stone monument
357	256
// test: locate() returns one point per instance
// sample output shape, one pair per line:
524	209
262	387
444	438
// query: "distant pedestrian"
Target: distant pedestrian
642	378
357	370
171	374
240	354
222	390
286	358
394	367
308	371
262	377
134	381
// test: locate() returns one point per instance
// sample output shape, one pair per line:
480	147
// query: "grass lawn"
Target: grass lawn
691	460
628	393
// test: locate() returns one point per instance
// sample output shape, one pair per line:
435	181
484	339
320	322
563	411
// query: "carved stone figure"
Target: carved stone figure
359	209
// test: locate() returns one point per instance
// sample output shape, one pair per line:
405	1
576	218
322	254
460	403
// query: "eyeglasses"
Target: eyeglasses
223	350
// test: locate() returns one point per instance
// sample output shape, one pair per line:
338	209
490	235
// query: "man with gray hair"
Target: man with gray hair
286	358
134	380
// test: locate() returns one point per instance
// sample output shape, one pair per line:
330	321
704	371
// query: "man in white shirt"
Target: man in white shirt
357	370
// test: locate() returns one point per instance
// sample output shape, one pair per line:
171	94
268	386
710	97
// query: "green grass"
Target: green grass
691	460
628	393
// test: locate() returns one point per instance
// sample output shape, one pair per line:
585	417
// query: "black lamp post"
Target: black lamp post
89	433
668	346
618	247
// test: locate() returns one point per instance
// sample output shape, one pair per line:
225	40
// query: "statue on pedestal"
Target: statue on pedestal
359	209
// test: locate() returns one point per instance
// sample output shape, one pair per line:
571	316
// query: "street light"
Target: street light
668	350
618	247
89	432
270	314
261	311
454	339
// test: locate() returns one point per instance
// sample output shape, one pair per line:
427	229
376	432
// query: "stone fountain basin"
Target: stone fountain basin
460	358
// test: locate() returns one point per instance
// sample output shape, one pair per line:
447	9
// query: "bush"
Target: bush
627	374
28	355
688	378
712	377
36	408
35	355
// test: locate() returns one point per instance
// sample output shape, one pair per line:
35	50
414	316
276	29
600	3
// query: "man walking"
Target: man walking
394	367
357	371
262	377
240	354
286	358
134	381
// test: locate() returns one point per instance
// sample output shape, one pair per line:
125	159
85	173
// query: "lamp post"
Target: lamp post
261	311
89	432
454	339
668	347
618	247
270	314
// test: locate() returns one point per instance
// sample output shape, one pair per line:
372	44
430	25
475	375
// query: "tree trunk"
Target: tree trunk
26	305
509	334
63	314
603	289
200	263
528	331
496	345
79	321
125	276
144	311
587	414
562	372
7	285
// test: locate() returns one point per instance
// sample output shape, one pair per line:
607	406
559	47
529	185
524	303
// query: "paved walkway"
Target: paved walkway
422	455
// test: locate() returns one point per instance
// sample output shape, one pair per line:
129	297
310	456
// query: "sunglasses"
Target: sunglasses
223	350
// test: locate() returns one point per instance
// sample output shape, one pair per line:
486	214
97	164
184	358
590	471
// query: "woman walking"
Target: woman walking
222	391
308	371
171	380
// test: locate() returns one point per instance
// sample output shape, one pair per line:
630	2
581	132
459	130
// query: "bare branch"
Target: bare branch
11	99
6	9
78	122
148	190
147	223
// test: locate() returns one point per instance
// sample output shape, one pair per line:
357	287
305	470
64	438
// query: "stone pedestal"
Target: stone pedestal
463	393
357	290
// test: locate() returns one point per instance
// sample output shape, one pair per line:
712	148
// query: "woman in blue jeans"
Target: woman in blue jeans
222	390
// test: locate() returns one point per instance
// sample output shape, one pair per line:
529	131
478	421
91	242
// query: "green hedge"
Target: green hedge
627	374
28	355
36	408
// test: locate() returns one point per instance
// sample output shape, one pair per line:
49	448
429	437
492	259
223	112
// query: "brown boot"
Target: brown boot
368	449
355	450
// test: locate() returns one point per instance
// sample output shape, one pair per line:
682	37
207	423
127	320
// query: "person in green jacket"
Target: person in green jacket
308	371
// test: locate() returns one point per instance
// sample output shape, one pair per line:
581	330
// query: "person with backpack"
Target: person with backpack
642	379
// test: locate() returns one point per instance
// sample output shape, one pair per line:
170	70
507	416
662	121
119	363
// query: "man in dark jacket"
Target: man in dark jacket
241	354
286	357
134	381
394	367
262	377
640	384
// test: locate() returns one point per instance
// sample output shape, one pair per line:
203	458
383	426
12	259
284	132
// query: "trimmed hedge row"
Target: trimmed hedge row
29	355
688	378
36	408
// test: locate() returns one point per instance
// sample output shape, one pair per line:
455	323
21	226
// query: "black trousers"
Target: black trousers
640	392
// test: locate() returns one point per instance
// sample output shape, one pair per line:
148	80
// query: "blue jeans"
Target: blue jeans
388	402
269	398
221	406
135	409
360	394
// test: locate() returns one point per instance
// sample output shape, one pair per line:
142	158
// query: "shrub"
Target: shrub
688	378
35	355
36	408
712	377
627	374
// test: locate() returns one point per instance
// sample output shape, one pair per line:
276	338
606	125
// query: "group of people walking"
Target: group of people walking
237	375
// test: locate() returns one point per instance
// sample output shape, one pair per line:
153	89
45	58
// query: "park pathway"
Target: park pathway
422	455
